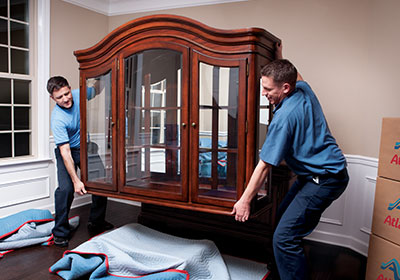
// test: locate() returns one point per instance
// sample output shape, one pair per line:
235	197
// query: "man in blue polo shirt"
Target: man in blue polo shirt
65	124
298	134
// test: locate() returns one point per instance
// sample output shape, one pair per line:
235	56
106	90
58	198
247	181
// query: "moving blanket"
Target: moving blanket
26	228
135	251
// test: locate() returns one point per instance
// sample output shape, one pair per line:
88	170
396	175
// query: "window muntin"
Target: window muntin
15	79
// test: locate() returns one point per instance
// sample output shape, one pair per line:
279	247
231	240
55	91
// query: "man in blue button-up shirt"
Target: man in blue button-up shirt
298	134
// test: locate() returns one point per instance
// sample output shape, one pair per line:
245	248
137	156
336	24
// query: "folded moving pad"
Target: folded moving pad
26	228
135	251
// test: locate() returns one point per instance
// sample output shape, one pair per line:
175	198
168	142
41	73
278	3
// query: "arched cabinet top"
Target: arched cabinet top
179	30
180	95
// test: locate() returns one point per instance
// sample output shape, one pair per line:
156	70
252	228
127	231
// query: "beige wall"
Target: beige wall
72	28
346	50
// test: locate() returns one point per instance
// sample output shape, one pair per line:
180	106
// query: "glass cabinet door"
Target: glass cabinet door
98	127
218	123
154	114
265	117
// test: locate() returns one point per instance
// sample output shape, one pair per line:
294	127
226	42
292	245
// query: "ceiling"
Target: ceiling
120	7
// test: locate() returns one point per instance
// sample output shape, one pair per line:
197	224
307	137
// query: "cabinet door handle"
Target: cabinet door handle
193	124
183	125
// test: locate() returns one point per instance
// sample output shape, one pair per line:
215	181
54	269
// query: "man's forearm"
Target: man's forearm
257	180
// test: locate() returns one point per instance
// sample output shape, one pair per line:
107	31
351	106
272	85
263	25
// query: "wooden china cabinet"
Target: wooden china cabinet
176	122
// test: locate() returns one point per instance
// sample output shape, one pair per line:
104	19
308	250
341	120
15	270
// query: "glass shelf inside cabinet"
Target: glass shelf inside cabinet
152	120
99	129
218	130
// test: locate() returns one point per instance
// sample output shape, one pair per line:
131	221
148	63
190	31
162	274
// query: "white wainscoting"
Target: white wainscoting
31	185
25	190
24	185
347	222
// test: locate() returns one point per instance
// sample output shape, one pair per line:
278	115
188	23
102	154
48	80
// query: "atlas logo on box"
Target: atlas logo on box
394	205
393	221
392	265
396	158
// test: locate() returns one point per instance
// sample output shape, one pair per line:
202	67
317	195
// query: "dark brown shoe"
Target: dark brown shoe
60	241
97	228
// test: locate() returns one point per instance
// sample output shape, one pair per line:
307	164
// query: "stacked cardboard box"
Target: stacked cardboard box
384	246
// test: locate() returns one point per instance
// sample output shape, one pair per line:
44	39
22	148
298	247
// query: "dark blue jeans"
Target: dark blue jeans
64	195
299	214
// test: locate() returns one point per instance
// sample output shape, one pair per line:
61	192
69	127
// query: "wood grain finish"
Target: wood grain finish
246	50
191	32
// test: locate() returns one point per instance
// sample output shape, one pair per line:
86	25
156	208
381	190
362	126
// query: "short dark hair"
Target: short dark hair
55	83
281	71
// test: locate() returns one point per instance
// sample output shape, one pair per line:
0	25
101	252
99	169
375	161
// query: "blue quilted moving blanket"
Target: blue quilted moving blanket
26	228
135	251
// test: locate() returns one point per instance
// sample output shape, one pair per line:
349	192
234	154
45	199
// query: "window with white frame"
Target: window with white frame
15	79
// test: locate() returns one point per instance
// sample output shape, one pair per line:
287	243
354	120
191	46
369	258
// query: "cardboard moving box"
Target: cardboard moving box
384	244
383	260
389	153
386	217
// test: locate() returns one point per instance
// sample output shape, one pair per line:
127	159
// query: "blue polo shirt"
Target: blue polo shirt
299	134
65	123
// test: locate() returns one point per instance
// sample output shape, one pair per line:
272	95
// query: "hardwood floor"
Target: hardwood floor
327	262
